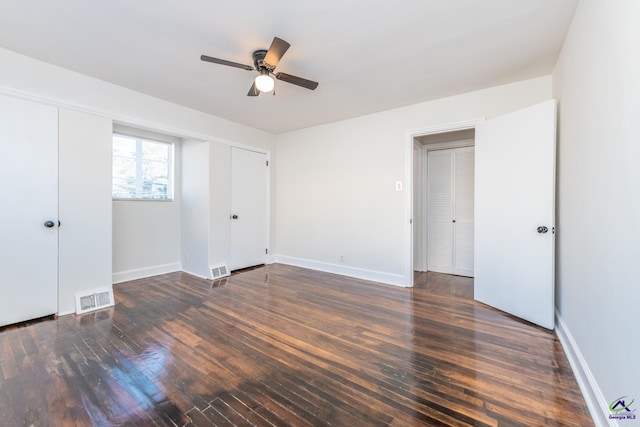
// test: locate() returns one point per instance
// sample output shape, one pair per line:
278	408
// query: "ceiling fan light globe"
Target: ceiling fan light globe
264	83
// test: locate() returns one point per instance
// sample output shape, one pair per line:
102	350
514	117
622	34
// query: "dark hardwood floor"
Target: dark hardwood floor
280	345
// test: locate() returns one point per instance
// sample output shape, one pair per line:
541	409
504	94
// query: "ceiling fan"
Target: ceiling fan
265	62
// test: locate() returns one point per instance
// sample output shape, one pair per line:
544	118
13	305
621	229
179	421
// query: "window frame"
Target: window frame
138	168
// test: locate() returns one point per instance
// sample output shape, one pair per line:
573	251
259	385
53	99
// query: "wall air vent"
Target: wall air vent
94	300
219	272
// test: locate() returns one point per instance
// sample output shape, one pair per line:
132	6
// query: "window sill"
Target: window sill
142	200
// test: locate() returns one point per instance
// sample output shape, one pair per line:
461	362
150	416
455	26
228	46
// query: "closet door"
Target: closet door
440	210
450	177
29	218
249	205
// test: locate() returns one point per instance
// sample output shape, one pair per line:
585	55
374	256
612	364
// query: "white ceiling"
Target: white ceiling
367	55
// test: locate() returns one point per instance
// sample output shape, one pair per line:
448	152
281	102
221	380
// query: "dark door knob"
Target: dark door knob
49	224
234	216
542	229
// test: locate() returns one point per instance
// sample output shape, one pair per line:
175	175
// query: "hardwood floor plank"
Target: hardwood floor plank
235	418
280	345
247	413
199	419
257	408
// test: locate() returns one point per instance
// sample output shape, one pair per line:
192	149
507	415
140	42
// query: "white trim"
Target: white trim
66	313
141	273
268	219
418	219
409	137
358	273
590	390
195	274
445	127
408	233
425	209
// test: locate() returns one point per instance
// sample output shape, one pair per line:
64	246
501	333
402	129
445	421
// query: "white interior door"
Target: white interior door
29	177
450	210
515	213
249	189
463	211
440	210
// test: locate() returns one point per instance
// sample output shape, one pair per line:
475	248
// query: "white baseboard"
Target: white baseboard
65	313
593	396
196	274
343	270
125	276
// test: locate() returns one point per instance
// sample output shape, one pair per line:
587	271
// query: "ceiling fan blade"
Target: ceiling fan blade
254	90
299	81
276	51
225	62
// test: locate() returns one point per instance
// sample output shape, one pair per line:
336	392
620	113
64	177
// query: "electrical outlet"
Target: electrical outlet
341	259
398	185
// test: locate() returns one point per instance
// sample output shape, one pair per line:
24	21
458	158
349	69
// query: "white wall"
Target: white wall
84	153
206	189
597	83
146	238
336	183
195	207
219	204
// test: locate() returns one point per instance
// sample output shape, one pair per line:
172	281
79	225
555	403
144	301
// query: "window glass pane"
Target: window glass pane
141	169
124	167
155	157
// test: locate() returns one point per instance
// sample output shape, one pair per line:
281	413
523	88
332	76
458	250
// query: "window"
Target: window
142	169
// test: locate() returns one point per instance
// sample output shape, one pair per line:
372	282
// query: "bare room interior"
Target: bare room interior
343	213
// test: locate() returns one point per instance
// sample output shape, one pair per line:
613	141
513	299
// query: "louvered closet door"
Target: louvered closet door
439	211
450	176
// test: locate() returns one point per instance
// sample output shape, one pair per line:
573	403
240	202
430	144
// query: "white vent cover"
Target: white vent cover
94	300
219	272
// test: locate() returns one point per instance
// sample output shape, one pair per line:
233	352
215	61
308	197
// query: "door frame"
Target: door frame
409	144
419	245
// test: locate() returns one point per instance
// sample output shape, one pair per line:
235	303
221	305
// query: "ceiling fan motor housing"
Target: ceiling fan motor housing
258	61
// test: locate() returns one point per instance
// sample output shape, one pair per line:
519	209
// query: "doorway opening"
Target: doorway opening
437	140
443	202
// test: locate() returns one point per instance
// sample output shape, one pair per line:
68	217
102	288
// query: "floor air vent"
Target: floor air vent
219	272
93	301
